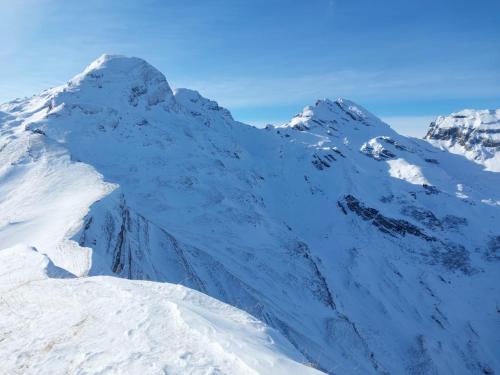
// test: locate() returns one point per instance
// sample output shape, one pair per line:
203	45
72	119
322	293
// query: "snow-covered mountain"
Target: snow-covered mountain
368	251
475	134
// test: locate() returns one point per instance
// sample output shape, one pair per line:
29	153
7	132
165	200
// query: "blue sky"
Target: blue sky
406	61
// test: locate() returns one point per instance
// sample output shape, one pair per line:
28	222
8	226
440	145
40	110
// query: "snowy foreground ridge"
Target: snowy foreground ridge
111	325
144	230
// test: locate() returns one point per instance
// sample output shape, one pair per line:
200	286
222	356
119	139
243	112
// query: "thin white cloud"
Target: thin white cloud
240	92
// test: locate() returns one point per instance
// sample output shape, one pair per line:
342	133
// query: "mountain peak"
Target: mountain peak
326	113
120	77
119	64
198	104
107	58
473	120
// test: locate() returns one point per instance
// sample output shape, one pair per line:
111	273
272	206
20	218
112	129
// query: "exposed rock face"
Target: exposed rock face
475	134
367	250
385	224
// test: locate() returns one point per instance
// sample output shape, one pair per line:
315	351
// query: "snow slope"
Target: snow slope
368	251
475	134
50	324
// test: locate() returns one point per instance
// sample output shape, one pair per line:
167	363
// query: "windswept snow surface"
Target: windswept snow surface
108	325
369	252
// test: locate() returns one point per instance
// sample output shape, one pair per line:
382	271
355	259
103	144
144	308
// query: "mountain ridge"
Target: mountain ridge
333	229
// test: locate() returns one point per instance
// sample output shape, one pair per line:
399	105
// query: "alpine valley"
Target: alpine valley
144	230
